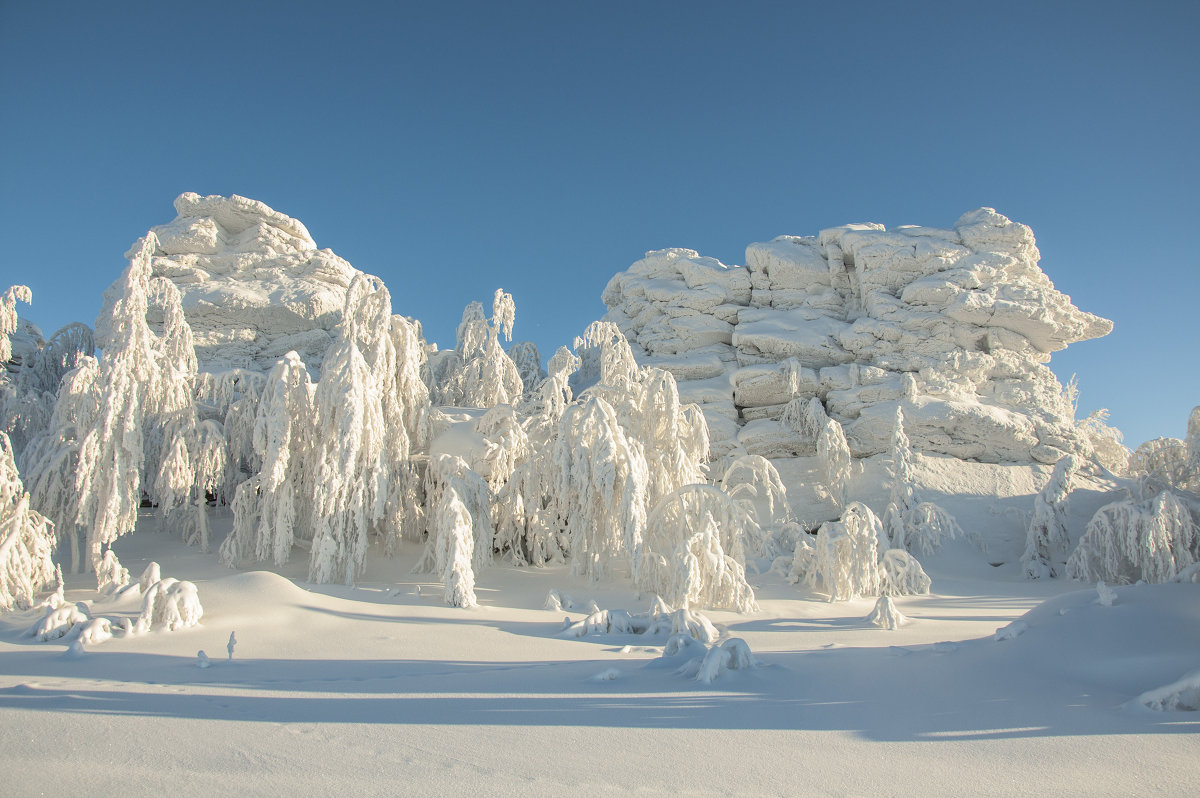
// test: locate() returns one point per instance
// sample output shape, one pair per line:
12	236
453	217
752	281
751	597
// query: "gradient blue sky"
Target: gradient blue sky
455	147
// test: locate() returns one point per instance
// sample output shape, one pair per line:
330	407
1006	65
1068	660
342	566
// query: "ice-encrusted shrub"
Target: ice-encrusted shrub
1182	694
706	664
26	540
1152	540
58	622
1047	539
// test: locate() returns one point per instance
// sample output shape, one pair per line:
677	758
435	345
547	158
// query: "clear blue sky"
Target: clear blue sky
455	147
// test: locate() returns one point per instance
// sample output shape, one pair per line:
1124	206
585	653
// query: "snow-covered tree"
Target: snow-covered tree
454	544
847	558
753	482
8	317
358	460
903	497
445	472
694	551
479	373
267	505
529	364
51	459
111	455
506	442
26	540
1047	539
1152	540
601	488
909	523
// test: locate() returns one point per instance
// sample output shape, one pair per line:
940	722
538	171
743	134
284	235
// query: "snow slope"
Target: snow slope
377	687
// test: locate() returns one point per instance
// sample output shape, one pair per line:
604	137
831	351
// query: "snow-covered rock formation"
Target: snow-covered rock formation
956	324
253	283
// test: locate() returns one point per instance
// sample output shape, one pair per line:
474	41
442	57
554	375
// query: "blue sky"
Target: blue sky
455	147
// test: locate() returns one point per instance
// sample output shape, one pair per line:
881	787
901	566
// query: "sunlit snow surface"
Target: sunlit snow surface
362	689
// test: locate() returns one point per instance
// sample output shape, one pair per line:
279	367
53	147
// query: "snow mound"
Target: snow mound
847	316
253	283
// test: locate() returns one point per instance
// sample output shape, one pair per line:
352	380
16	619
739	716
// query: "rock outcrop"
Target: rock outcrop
955	324
253	283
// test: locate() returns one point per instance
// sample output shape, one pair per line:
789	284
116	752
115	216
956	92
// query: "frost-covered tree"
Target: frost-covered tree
1047	539
753	482
601	488
358	460
507	445
111	455
694	551
1152	540
454	544
269	506
445	472
8	317
479	373
903	497
529	364
51	459
808	418
909	523
849	558
26	540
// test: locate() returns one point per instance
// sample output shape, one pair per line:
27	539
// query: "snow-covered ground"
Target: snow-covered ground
382	687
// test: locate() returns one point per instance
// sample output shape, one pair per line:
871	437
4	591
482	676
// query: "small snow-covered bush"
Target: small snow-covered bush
170	603
901	575
1126	541
1183	694
110	576
885	615
57	622
95	631
707	665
